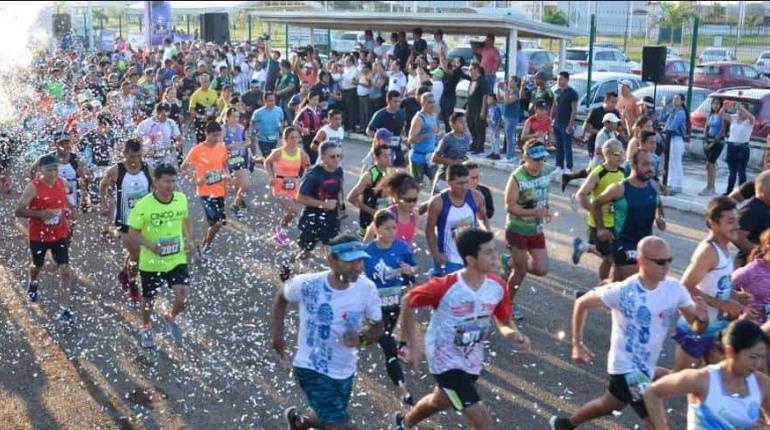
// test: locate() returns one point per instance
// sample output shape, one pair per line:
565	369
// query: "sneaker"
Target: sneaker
559	423
146	340
174	328
493	156
398	421
286	272
243	205
567	172
517	314
403	353
707	192
205	250
281	236
291	414
573	203
407	400
577	250
124	281
32	291
555	173
65	316
236	211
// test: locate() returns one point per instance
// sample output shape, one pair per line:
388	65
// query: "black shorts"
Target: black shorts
712	155
214	208
623	255
310	236
151	281
59	251
619	389
460	387
603	246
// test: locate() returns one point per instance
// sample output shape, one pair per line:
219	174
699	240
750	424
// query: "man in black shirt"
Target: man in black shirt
252	99
563	114
186	89
592	126
474	173
392	118
272	69
100	143
754	218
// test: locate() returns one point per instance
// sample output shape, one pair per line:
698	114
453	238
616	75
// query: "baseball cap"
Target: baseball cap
537	151
383	134
349	251
438	73
540	75
255	83
611	117
61	136
47	160
625	82
201	64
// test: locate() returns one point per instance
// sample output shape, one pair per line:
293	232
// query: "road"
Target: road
95	375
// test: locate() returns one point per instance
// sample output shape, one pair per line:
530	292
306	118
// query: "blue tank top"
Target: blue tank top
634	214
232	134
421	149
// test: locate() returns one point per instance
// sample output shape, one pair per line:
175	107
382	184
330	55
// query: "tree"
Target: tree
555	16
754	22
673	15
715	13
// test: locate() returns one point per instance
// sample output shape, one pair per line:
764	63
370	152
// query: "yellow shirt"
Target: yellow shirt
204	98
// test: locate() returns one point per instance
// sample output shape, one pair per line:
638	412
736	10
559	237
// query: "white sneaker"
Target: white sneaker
567	172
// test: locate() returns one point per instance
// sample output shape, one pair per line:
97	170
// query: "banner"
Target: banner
107	40
160	14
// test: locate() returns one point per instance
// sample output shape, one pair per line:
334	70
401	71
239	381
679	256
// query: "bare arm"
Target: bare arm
414	131
410	330
481	212
588	301
22	207
689	381
353	197
583	194
105	185
280	306
434	209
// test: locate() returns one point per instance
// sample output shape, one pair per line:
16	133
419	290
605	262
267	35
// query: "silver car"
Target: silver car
601	84
763	63
669	91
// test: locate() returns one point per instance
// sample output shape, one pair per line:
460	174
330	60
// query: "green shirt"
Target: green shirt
55	89
289	78
533	193
161	223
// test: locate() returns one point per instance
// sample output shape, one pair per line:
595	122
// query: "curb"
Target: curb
682	203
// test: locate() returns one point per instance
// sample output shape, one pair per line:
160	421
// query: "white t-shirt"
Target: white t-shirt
640	322
437	89
346	83
412	84
362	90
740	132
157	136
324	315
396	82
261	76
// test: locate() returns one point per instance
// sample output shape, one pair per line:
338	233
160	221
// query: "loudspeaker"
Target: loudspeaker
215	27
62	24
654	64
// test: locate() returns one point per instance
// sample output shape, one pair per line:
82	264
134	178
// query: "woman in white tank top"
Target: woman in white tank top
726	396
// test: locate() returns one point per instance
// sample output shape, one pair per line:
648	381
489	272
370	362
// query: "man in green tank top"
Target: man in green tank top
526	207
600	178
371	199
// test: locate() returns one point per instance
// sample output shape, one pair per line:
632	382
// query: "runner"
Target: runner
46	204
332	132
203	106
99	145
636	205
423	134
309	120
464	304
209	160
600	178
642	308
339	312
404	193
390	266
132	181
239	147
474	173
284	166
526	206
450	212
709	276
157	133
727	395
71	169
372	197
160	224
452	149
266	123
393	118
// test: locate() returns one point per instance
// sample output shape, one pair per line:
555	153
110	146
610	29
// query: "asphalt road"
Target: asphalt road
225	375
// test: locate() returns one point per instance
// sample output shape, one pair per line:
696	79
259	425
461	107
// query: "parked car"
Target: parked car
347	41
529	44
757	101
677	71
601	83
605	60
466	53
728	74
672	53
710	55
763	63
669	91
540	60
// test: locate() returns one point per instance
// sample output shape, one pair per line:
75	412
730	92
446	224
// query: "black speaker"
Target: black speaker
62	24
215	27
654	64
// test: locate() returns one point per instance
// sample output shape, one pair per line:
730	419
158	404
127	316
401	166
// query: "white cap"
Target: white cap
625	82
611	117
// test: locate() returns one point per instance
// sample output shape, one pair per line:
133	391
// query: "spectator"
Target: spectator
419	45
754	218
541	92
713	144
676	119
493	116
377	91
362	91
309	121
738	152
453	75
539	126
273	70
563	113
413	80
439	47
287	87
396	78
474	107
627	105
522	62
754	278
509	94
368	44
401	50
348	84
437	86
240	80
490	61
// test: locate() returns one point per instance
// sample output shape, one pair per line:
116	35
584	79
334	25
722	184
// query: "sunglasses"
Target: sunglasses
661	261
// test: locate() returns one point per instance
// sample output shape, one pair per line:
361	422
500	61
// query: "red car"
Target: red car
757	101
716	76
677	72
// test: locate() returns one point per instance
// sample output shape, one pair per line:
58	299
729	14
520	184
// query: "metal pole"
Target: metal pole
249	29
120	26
286	51
693	54
628	25
741	19
85	31
591	40
187	18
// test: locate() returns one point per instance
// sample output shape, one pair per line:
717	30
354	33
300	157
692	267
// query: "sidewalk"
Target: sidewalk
687	201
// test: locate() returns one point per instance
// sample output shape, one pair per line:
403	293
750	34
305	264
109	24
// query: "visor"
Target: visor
349	251
537	151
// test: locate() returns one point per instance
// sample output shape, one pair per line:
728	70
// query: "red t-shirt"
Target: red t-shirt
54	229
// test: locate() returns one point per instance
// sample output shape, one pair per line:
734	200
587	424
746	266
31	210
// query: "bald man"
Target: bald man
642	307
754	218
601	177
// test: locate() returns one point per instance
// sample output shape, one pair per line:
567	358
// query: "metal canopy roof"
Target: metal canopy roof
451	23
197	7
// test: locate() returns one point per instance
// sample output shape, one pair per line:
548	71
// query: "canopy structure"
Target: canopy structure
197	7
508	23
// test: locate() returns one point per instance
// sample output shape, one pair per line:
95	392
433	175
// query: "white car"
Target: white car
763	63
605	60
601	84
347	41
672	53
712	55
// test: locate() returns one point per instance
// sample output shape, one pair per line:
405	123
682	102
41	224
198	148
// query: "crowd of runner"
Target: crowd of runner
107	133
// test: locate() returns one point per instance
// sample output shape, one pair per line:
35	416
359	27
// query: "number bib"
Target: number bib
236	158
213	177
637	384
390	296
471	331
211	111
53	221
170	246
134	197
461	225
289	183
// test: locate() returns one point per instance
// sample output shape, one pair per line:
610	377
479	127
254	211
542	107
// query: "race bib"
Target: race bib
236	160
631	254
390	296
272	137
169	246
211	111
460	225
289	183
471	331
383	202
637	384
134	197
213	177
53	221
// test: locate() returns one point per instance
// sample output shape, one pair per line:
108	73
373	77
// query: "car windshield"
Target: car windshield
464	52
708	70
577	84
765	55
576	55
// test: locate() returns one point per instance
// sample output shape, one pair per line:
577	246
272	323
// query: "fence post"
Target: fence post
286	52
85	31
693	54
120	26
187	18
249	15
591	40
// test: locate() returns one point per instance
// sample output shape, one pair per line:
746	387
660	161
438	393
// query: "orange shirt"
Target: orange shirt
210	163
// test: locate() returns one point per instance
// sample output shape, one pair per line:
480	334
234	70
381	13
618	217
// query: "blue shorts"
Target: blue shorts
694	344
327	396
446	269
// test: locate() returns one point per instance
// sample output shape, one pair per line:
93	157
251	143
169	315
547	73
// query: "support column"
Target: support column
510	57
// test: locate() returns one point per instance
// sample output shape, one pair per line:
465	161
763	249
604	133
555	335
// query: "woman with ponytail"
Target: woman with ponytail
725	396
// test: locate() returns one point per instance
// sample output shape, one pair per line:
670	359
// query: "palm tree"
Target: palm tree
555	16
754	22
715	13
673	15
